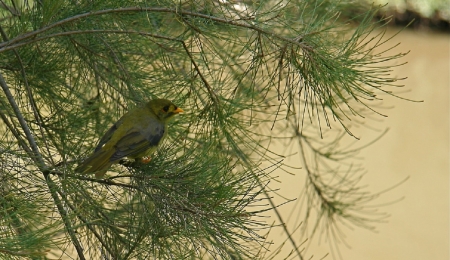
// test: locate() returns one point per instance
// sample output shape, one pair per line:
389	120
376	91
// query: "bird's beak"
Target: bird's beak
178	110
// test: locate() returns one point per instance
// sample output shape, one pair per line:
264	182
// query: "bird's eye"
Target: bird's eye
166	108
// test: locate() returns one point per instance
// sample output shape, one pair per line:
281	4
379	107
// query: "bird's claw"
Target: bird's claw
146	159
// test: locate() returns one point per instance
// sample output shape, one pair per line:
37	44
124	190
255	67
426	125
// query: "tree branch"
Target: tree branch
70	230
37	157
238	23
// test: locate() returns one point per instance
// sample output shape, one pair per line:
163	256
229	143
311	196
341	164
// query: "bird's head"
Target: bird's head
164	109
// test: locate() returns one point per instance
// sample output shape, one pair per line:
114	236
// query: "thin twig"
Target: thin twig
237	23
53	188
12	10
16	134
101	181
280	219
36	113
207	85
88	224
69	33
37	157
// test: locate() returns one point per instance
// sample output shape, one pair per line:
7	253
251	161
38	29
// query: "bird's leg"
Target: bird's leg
146	159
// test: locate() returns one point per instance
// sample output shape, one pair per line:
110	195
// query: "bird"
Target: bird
135	135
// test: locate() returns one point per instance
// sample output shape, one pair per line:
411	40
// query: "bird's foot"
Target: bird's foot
146	159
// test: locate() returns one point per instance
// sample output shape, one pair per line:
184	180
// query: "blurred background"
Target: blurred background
415	148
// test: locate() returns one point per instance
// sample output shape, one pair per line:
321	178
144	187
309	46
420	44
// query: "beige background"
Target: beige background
417	146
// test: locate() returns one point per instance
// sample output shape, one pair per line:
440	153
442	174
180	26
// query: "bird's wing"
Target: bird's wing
137	141
108	134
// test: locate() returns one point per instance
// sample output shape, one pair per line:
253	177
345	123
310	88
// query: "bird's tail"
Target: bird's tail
98	163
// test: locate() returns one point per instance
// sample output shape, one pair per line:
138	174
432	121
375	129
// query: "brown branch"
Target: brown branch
70	230
101	181
69	33
16	134
36	113
237	23
10	9
37	158
208	87
88	224
36	155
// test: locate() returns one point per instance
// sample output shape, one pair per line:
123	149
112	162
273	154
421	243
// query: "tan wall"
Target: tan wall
417	146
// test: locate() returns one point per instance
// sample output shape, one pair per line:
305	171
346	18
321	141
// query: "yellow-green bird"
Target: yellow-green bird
136	135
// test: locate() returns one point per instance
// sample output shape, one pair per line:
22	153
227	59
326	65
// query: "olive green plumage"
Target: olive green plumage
137	134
